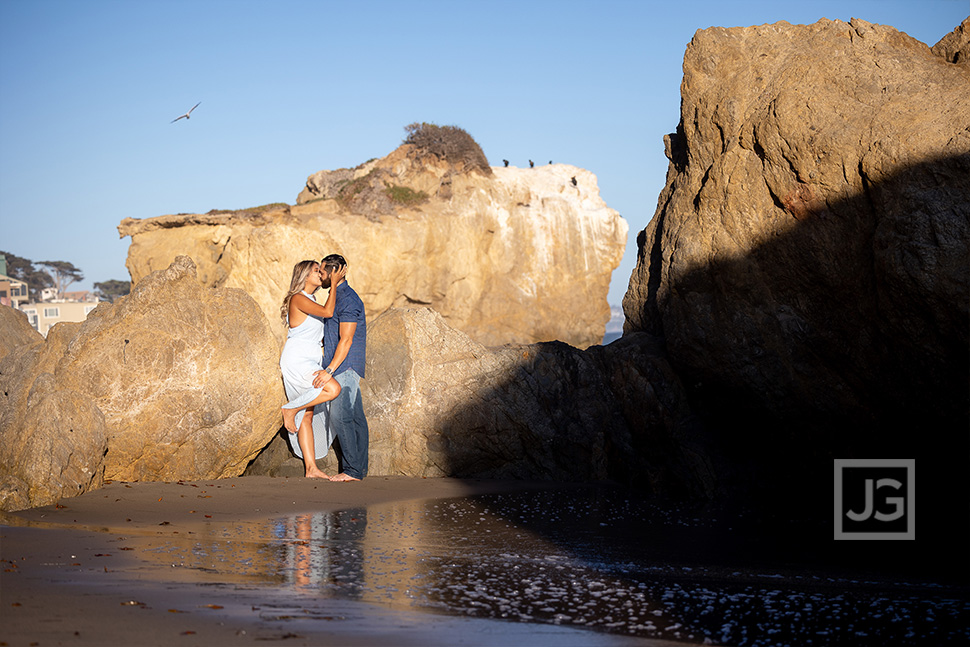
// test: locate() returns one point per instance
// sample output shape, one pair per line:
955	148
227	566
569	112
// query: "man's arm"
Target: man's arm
346	340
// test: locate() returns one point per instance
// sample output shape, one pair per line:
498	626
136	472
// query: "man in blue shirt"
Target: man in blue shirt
344	349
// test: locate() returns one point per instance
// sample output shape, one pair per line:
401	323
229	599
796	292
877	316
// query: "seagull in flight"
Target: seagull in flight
186	115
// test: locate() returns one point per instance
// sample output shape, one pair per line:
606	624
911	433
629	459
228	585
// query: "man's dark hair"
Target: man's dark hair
332	262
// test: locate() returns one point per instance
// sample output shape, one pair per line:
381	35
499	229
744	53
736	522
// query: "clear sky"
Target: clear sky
290	87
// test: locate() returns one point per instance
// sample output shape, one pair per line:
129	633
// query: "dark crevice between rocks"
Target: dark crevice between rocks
222	251
697	196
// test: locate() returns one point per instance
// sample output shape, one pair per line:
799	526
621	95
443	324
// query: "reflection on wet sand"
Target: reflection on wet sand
579	558
308	555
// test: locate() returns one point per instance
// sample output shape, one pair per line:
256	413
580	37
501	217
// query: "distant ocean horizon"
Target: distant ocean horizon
611	337
614	327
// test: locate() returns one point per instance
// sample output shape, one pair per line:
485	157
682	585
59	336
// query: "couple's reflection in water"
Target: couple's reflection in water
324	553
322	550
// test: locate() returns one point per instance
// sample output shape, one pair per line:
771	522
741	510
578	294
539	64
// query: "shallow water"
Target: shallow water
589	558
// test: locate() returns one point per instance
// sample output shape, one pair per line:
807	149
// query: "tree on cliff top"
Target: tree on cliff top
64	274
448	143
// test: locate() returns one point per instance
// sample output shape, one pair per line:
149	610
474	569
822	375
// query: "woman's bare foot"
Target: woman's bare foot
317	474
343	477
289	420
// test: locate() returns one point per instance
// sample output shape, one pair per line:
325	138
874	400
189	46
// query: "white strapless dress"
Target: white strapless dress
302	356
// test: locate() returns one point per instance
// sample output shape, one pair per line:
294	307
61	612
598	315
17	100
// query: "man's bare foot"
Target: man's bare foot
289	420
343	477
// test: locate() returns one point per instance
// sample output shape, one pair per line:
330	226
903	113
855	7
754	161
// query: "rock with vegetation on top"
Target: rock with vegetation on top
505	255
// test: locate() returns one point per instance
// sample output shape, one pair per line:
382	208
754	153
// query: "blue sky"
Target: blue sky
290	87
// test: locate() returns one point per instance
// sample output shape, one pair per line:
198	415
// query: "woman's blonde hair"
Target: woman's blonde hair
300	273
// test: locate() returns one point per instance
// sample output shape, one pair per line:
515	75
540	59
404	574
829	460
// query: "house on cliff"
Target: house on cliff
12	292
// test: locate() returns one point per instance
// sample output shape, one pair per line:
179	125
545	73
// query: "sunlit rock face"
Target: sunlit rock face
174	381
507	256
808	260
52	437
955	46
17	331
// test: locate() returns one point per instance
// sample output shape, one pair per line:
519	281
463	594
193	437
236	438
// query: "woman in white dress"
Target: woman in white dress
302	357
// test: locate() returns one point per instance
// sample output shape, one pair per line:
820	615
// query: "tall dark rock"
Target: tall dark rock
808	262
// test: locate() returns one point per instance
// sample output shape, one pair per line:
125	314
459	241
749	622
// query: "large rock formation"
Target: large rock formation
808	262
175	381
440	404
18	332
52	438
515	255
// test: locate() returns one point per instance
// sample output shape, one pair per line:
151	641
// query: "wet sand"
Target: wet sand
404	561
98	570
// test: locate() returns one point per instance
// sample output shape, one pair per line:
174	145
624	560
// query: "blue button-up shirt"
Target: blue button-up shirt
349	309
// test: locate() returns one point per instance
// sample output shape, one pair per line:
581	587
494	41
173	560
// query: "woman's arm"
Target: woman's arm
311	307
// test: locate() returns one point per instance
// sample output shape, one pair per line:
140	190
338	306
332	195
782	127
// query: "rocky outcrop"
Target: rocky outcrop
174	381
518	255
17	331
52	437
440	404
807	265
955	46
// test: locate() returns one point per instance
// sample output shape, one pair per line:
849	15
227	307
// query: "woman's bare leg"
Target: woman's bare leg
329	391
305	438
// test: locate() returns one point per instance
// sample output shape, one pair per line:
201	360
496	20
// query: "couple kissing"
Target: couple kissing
324	389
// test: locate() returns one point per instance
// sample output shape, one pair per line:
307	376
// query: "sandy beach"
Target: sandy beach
98	570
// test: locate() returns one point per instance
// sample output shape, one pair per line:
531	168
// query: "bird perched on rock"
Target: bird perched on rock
186	115
531	164
573	178
506	162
